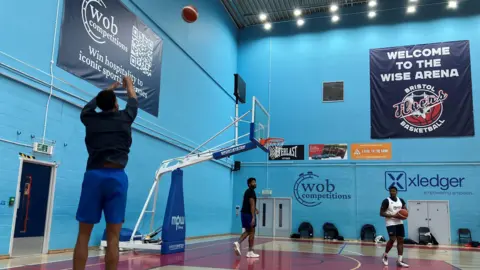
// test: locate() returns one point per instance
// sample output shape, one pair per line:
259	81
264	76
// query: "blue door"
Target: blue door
33	200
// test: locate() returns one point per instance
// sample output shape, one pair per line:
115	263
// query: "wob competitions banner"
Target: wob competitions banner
421	91
101	41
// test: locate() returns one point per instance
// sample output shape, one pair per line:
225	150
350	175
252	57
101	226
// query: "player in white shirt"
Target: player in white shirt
395	228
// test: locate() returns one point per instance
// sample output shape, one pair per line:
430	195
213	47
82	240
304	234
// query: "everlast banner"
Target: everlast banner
101	41
287	152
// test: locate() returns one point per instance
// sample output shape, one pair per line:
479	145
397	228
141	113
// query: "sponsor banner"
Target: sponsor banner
328	151
287	152
101	41
371	151
312	190
421	91
431	184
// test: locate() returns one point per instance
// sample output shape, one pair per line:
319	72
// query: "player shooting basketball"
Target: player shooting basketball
105	184
395	228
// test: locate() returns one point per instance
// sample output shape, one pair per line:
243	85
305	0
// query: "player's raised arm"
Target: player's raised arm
128	84
132	102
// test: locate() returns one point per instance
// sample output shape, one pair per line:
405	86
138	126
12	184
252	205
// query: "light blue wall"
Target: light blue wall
192	76
302	59
356	193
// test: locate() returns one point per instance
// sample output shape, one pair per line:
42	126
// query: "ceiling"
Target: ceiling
246	12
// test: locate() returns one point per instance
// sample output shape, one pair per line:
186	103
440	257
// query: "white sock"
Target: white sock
400	258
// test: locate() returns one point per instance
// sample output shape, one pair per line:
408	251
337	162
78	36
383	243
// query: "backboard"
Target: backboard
260	126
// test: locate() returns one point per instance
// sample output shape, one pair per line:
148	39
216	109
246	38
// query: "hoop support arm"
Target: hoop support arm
186	162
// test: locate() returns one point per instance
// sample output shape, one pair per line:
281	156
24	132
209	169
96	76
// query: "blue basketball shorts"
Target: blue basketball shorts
103	190
247	221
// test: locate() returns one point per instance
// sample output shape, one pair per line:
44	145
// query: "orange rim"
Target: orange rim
271	140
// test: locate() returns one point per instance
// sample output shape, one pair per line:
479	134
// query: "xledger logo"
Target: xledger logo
401	181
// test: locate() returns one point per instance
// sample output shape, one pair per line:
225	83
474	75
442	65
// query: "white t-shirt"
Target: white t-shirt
392	209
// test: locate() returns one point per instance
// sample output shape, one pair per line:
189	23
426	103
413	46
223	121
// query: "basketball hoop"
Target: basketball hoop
272	142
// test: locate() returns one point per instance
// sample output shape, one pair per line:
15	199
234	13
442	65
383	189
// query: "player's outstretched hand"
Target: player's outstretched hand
113	86
128	84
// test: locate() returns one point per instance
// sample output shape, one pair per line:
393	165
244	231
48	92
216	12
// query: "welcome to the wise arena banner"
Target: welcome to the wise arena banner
421	91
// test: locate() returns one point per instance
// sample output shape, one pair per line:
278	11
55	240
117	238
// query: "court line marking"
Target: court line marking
336	249
359	264
220	242
409	246
103	255
341	249
143	256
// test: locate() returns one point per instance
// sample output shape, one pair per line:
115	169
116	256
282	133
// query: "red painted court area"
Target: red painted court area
219	255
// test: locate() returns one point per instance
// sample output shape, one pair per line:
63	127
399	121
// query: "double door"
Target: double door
274	217
431	214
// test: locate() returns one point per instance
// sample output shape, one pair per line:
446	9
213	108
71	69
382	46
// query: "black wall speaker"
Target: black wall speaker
237	165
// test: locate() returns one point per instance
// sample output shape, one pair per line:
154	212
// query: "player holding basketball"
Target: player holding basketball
395	228
105	184
248	213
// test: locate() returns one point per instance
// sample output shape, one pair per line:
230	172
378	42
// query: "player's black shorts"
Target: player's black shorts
396	230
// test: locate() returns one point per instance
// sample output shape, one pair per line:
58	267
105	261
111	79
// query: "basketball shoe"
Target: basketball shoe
385	259
236	248
402	264
252	254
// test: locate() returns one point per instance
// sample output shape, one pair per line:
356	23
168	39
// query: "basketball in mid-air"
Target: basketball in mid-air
403	214
189	14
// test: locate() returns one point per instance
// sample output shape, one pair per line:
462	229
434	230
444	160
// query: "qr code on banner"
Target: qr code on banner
141	55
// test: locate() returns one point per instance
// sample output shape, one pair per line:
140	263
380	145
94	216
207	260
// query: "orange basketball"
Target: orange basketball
189	14
403	214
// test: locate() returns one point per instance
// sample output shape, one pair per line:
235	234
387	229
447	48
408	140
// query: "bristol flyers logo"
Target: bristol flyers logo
421	109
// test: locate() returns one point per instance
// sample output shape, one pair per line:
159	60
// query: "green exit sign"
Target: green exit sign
43	148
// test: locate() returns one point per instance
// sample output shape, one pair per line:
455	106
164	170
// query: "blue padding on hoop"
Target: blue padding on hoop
174	225
252	132
234	150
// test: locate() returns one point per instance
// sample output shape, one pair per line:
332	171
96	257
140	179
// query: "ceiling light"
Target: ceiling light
333	8
335	18
411	9
452	4
413	1
372	14
300	22
262	16
297	12
372	3
267	26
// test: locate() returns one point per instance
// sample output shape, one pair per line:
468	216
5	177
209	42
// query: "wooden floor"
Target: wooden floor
275	254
